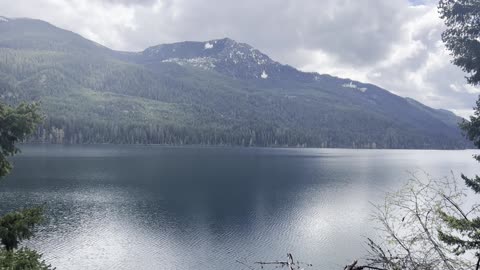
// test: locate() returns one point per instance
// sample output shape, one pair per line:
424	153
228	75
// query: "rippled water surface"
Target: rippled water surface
153	207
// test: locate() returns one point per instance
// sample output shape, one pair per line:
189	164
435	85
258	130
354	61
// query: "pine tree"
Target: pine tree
462	39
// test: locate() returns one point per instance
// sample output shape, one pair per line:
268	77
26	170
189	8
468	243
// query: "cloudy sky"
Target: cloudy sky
392	43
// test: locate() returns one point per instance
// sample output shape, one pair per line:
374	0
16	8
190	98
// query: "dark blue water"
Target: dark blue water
153	207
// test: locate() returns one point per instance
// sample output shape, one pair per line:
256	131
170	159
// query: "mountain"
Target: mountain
218	92
226	56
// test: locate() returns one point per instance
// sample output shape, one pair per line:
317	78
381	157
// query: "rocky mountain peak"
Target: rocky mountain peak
226	56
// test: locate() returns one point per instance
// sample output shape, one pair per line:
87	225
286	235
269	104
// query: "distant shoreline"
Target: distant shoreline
238	146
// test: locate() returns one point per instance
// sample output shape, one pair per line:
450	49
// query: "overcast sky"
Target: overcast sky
392	43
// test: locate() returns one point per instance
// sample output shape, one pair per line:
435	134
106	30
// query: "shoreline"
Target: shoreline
241	146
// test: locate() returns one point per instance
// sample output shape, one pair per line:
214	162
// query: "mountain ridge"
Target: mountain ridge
213	92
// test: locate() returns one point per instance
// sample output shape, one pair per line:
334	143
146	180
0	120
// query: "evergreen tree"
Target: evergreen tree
17	226
22	259
462	18
15	125
462	39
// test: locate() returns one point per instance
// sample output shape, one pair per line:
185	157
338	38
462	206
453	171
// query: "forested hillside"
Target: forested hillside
218	92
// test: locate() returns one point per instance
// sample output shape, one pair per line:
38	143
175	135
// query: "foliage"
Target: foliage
15	125
409	219
462	38
18	226
472	127
22	259
462	18
464	232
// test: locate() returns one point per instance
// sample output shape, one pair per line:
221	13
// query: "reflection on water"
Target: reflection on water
152	207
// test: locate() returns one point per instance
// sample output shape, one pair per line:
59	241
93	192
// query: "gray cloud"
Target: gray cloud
395	44
356	32
131	2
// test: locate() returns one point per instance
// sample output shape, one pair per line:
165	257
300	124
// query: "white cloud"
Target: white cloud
101	21
394	44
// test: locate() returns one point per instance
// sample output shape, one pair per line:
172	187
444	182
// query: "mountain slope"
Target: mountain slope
226	56
215	92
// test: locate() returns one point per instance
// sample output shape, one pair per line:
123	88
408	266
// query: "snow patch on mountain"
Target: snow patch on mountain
208	45
3	19
264	75
206	63
354	86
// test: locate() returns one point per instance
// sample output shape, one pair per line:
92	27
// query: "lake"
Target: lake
156	207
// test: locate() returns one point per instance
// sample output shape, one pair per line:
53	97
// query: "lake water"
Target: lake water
153	207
